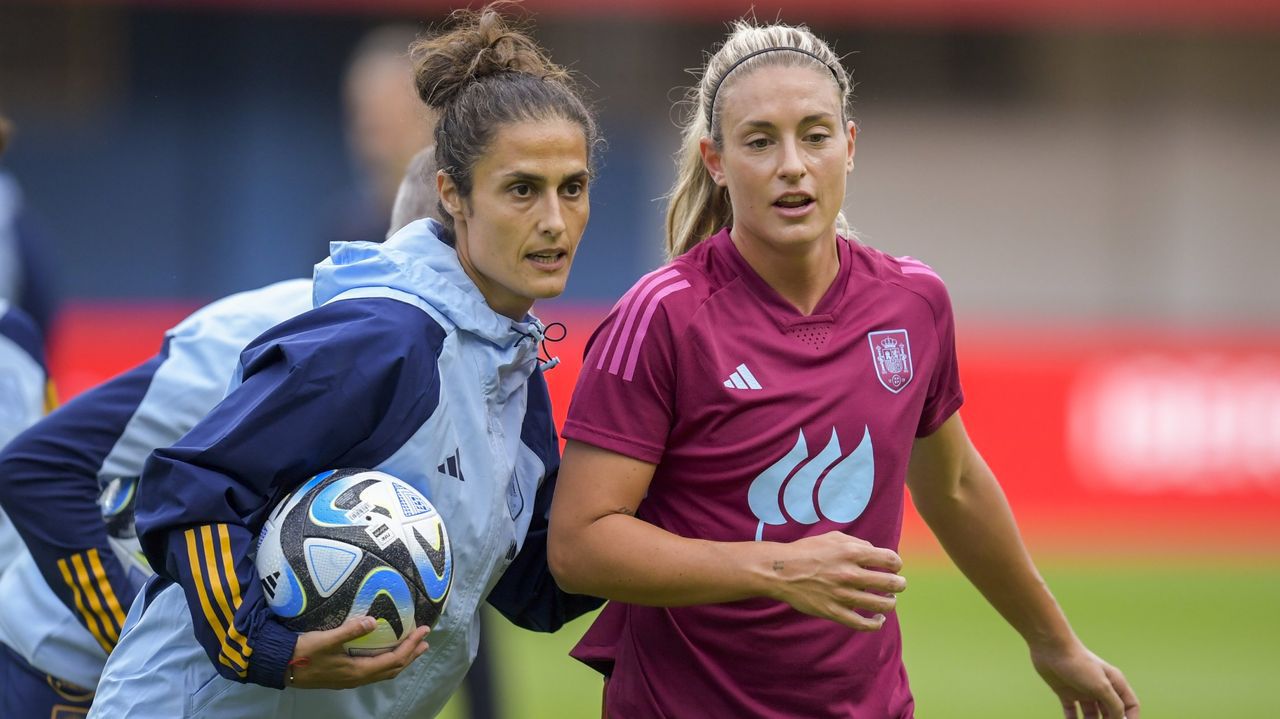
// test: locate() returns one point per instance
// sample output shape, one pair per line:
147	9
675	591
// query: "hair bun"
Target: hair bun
479	44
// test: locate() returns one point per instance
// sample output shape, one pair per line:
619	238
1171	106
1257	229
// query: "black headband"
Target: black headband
711	106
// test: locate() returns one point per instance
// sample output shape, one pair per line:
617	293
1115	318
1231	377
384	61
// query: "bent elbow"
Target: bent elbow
12	472
560	559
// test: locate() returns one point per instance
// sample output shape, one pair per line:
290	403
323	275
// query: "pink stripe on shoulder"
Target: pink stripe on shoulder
644	325
626	317
912	266
622	308
920	271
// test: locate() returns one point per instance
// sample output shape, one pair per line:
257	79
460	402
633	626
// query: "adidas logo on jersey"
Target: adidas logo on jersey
742	379
452	466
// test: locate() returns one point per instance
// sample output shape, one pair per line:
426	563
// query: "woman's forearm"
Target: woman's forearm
597	546
975	526
626	559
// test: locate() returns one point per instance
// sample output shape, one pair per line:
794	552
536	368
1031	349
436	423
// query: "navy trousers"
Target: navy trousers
29	693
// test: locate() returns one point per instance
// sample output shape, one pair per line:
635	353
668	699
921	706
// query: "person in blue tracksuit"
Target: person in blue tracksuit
419	350
25	395
68	589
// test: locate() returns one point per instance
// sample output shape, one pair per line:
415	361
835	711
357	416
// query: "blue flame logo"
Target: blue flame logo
843	485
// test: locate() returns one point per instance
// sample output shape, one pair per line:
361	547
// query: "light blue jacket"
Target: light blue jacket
51	474
402	367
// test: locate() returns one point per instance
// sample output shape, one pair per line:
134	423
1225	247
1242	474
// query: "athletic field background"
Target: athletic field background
1196	637
1143	468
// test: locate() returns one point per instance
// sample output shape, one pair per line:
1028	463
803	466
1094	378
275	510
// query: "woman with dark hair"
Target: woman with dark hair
783	385
420	349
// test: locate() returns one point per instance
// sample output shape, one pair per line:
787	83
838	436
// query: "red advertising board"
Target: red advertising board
1131	440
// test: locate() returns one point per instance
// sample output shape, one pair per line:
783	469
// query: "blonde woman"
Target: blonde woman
748	419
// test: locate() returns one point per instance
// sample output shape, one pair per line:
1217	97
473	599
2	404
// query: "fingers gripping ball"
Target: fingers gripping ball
352	542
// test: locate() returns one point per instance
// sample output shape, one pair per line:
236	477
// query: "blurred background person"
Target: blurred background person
385	125
25	391
26	280
25	396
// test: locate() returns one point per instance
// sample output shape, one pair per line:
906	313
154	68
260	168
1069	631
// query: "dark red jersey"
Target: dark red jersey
764	424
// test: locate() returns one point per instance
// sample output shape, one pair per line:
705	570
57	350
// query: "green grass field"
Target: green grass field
1197	641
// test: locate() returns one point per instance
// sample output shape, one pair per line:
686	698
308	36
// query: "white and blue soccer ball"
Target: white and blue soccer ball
354	542
117	502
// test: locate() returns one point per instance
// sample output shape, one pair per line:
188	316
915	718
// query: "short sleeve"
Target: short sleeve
624	400
945	394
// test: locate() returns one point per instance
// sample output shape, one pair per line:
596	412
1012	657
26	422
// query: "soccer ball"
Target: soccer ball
352	542
116	502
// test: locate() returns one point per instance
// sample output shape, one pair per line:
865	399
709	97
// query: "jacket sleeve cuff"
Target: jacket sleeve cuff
272	651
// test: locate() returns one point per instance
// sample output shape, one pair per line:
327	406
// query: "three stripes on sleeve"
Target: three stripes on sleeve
94	599
213	572
213	569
